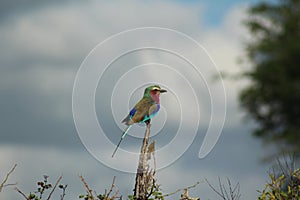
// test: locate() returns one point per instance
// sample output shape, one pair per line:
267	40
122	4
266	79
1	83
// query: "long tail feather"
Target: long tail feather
123	136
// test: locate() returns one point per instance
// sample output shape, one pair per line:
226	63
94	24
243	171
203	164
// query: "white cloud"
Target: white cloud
59	31
54	37
42	50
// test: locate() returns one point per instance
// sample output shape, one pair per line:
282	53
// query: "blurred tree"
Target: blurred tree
273	97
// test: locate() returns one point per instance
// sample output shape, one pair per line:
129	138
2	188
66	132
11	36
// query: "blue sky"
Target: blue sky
214	12
42	48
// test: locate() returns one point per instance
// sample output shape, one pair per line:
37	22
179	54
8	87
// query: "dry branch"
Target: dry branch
4	184
22	193
112	186
110	195
232	193
185	195
88	190
58	180
145	176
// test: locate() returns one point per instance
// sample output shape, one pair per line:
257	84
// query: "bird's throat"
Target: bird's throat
155	97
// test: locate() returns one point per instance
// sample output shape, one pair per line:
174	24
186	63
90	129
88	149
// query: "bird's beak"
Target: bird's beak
162	90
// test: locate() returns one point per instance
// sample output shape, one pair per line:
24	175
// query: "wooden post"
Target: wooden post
143	178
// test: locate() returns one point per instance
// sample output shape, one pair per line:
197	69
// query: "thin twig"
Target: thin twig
9	184
221	188
172	193
233	193
230	189
2	185
152	188
116	194
62	196
58	180
21	193
178	190
225	192
216	191
192	186
90	192
112	186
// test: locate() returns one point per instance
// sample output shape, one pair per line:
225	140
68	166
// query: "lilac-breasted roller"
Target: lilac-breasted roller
144	110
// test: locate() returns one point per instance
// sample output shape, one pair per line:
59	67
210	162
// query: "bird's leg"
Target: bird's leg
148	121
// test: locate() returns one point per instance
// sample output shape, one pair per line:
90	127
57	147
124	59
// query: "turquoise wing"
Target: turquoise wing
152	112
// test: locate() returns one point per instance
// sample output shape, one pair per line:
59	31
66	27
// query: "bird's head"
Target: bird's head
153	91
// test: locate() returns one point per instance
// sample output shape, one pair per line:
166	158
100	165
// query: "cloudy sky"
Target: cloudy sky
44	44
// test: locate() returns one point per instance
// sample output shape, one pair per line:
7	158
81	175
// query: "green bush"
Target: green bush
283	187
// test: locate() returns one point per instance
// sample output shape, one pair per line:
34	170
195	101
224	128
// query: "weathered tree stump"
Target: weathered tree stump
144	176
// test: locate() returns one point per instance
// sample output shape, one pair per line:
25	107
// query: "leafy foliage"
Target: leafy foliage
273	97
112	194
284	187
155	193
45	188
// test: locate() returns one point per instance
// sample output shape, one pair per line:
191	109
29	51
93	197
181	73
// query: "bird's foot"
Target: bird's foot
148	122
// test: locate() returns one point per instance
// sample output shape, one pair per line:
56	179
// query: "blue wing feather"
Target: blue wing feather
132	112
129	117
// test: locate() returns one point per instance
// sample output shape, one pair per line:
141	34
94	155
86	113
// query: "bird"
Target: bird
143	111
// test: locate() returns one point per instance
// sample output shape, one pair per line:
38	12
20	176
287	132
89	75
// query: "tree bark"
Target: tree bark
142	176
